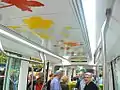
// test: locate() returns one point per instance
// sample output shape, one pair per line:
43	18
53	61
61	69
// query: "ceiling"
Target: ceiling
53	26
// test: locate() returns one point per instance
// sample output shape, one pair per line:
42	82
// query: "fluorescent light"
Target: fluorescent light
31	45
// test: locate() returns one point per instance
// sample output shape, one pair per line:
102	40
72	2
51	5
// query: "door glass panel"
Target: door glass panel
116	67
12	74
3	60
118	73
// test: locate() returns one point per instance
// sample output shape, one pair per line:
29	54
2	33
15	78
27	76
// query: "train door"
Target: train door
16	74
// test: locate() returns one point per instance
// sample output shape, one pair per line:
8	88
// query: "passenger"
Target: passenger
89	84
48	83
55	83
77	77
39	82
64	83
100	80
80	83
29	82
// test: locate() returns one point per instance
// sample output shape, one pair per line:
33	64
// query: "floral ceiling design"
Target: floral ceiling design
24	5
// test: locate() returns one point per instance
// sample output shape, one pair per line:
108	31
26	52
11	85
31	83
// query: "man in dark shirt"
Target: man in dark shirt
89	84
48	83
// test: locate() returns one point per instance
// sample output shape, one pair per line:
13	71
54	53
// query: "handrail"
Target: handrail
21	58
98	47
4	30
103	38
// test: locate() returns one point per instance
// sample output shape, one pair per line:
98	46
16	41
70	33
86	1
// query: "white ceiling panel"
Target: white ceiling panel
62	15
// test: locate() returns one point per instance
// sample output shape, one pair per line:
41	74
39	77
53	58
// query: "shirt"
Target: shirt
55	84
64	86
91	86
82	84
38	86
48	85
100	80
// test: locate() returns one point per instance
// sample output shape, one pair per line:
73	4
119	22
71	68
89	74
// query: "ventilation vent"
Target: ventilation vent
78	59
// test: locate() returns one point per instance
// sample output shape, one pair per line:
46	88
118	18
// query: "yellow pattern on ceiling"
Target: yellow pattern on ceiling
65	32
68	27
37	22
13	27
41	28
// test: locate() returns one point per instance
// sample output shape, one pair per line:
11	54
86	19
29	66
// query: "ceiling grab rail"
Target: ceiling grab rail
103	38
13	56
5	31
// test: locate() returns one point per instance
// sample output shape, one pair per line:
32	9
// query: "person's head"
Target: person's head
40	80
81	74
100	75
74	78
65	79
88	77
59	73
51	76
78	76
37	75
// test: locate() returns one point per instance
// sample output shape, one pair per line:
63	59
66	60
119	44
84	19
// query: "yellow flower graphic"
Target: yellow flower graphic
37	22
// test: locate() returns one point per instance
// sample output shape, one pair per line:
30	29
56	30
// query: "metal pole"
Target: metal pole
32	79
103	38
47	71
44	68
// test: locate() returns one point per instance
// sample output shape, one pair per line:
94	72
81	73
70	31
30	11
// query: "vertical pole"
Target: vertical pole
103	38
43	57
44	68
32	79
47	71
23	75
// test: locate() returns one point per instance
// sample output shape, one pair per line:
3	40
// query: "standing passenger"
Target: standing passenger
55	83
81	82
48	83
39	82
89	84
64	83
